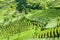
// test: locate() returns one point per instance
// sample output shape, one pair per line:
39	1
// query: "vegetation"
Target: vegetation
29	19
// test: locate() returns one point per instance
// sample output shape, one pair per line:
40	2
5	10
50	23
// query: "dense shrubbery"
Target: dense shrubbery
20	17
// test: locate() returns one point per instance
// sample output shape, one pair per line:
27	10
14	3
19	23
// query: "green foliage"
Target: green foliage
25	19
48	18
44	4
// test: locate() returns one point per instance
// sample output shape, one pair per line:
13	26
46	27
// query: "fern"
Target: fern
41	23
